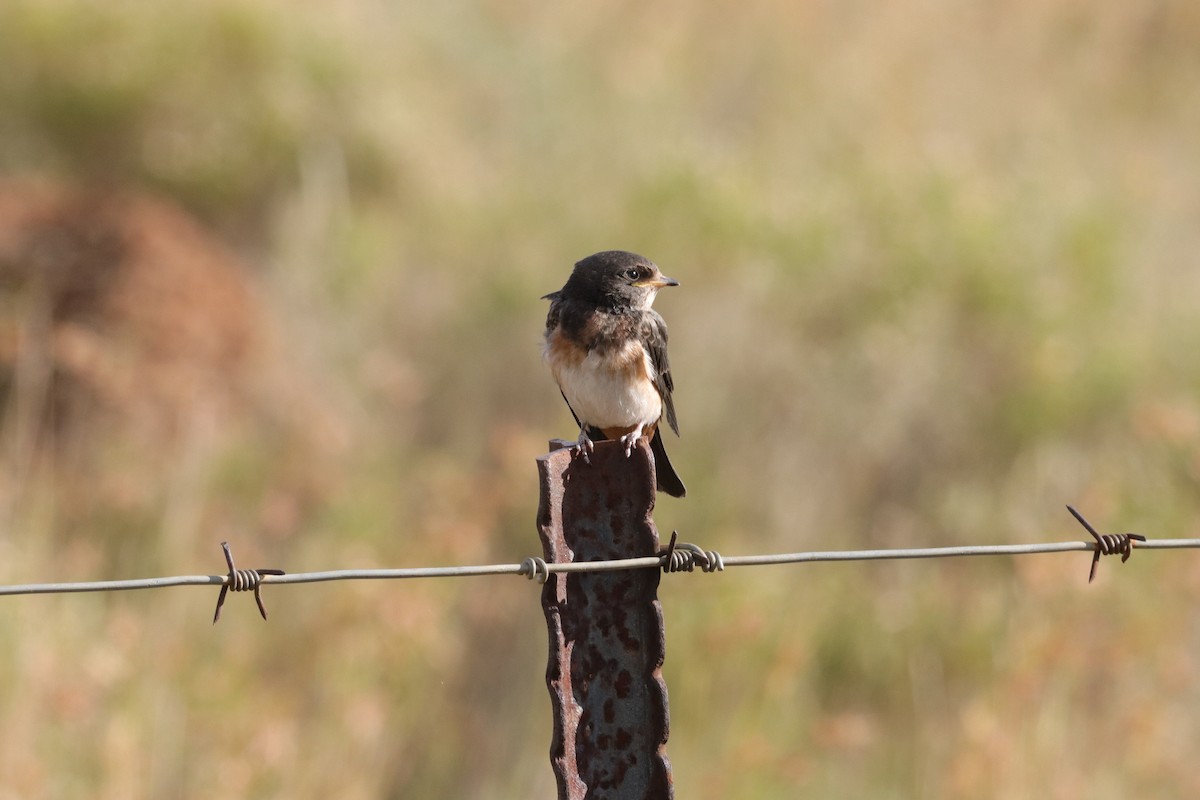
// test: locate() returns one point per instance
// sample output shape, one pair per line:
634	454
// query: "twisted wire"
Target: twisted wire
686	557
1107	544
536	569
242	580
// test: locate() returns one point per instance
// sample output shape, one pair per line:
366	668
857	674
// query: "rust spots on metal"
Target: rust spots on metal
606	629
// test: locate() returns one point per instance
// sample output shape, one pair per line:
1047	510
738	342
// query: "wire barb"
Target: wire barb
668	555
242	580
685	557
1107	544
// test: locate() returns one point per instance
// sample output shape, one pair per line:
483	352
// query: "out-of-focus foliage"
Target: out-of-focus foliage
939	278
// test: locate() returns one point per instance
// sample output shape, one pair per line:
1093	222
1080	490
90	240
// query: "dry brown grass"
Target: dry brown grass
938	280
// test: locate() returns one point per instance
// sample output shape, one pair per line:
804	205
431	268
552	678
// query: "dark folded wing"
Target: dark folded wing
654	339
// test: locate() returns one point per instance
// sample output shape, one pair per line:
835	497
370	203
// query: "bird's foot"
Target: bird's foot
585	445
630	439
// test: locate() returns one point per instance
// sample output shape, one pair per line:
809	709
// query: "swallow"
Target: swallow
607	350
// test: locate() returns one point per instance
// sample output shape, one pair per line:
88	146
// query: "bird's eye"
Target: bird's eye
632	274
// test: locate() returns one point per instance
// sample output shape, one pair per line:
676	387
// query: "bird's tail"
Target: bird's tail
668	479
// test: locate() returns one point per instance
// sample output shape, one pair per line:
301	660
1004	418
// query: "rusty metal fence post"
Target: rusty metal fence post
606	629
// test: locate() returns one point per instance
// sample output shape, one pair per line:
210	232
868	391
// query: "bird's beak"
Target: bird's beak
658	283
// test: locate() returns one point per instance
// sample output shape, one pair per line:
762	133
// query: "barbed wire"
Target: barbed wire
678	557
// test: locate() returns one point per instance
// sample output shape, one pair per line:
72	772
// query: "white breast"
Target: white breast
610	392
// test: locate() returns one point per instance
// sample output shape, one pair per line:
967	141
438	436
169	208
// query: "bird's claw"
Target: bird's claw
585	445
630	439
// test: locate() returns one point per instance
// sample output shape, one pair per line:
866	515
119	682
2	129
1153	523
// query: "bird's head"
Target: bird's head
617	279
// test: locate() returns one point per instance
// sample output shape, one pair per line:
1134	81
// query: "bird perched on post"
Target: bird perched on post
607	349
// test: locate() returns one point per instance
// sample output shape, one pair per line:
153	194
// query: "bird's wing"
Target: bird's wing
654	339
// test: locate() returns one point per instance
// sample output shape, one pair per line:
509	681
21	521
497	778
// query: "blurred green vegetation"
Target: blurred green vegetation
939	279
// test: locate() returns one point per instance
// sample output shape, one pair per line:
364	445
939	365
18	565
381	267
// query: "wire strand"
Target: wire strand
644	562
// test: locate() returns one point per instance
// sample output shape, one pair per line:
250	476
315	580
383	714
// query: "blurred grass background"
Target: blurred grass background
939	279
